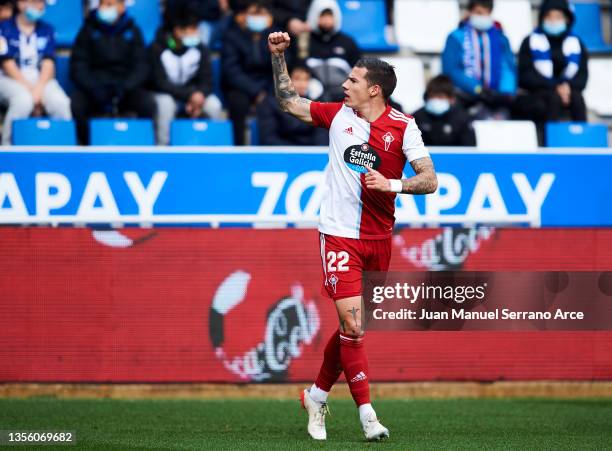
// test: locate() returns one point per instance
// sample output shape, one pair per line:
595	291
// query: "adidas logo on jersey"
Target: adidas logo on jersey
349	130
359	377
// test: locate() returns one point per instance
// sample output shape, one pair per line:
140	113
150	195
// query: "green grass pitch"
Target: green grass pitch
271	424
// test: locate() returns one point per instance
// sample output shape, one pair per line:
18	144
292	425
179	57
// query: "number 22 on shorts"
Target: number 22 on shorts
337	261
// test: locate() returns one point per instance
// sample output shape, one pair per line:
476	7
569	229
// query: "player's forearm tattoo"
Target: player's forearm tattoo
285	92
283	87
425	180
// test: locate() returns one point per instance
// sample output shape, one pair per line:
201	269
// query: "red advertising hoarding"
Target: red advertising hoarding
240	305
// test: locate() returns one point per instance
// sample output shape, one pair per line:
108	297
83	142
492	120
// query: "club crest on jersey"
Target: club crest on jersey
361	156
333	281
388	139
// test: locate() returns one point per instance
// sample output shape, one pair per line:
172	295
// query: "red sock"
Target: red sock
330	368
355	364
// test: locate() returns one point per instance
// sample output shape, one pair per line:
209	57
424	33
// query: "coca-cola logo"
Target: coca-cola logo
446	251
360	157
291	323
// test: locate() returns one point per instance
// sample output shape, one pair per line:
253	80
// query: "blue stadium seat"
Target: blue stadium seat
66	16
365	21
121	132
62	72
576	134
254	132
147	14
44	132
193	132
588	26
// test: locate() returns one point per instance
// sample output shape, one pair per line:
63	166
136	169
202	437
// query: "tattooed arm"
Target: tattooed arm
423	182
288	99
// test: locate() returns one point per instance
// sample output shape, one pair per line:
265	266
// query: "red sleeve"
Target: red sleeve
323	113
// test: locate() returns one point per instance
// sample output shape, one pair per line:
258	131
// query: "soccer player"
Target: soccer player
370	143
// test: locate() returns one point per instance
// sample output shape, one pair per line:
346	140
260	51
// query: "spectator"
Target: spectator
27	81
277	128
211	16
478	59
331	54
552	68
109	67
290	15
181	75
246	64
442	120
7	8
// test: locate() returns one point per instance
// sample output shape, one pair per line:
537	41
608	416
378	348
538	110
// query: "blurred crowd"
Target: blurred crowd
115	73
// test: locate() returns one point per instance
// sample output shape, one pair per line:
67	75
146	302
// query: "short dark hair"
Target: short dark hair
184	17
300	66
485	3
379	73
239	6
440	85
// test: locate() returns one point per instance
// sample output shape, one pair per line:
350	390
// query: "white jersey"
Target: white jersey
348	208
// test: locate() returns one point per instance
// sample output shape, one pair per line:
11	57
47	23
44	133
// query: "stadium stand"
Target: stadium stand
588	25
410	82
576	134
516	136
597	94
188	132
515	18
413	23
121	132
66	16
147	14
44	132
366	21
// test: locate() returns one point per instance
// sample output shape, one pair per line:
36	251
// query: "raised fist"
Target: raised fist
278	42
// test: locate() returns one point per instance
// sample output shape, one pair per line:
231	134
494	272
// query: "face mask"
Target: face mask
191	41
481	23
107	15
257	24
33	14
554	28
437	107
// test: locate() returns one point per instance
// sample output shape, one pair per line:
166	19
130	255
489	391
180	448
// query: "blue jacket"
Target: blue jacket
467	70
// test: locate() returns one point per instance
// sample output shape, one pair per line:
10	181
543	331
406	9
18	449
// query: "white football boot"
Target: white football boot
373	430
316	415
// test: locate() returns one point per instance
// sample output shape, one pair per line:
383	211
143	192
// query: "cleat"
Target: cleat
373	430
316	415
